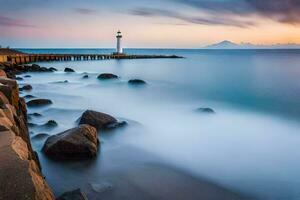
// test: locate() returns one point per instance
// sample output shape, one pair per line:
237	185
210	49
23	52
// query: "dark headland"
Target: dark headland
21	173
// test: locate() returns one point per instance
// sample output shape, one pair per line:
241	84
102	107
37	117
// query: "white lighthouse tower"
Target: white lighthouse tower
119	44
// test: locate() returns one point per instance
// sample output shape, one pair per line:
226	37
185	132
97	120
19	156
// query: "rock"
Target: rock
18	78
117	125
75	143
50	124
27	76
26	88
39	102
136	82
85	76
29	96
3	73
206	110
67	69
35	114
97	119
40	136
101	187
52	69
73	195
31	125
106	76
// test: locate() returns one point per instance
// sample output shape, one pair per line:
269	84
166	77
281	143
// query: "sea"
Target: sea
250	146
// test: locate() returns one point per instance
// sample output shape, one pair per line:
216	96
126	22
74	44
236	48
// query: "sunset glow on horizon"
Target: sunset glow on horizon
144	23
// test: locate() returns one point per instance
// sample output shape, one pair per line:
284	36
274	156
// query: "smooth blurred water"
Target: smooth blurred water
250	145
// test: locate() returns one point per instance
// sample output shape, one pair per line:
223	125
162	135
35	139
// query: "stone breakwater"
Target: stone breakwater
21	176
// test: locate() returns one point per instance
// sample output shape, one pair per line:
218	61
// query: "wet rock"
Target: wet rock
67	69
26	88
52	69
75	143
39	102
29	96
35	114
97	119
106	76
85	76
73	195
206	110
18	78
31	125
50	124
40	136
27	76
117	125
136	82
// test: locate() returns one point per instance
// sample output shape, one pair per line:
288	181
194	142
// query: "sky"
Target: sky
147	23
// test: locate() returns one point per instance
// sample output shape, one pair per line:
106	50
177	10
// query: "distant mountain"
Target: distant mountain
230	45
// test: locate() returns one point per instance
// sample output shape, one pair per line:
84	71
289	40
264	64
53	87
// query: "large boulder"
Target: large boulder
73	195
76	143
39	102
106	76
98	120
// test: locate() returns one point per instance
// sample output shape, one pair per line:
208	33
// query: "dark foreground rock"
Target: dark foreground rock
76	143
67	69
136	82
73	195
97	119
39	102
107	76
20	172
206	110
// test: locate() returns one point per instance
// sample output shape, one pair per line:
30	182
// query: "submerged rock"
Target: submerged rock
206	110
18	78
29	96
67	69
35	114
39	102
50	124
136	82
26	88
73	195
75	143
27	76
116	125
106	76
97	119
85	76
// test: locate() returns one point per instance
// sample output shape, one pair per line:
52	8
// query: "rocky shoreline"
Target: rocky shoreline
20	172
22	169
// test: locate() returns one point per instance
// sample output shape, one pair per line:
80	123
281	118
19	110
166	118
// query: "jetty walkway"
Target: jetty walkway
17	57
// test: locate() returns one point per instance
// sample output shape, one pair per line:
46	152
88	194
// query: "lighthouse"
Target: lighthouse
119	44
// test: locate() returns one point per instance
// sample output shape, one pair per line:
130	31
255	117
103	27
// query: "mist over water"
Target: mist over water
250	145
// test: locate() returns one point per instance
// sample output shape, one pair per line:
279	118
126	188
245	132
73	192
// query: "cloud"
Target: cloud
85	11
284	11
208	20
7	21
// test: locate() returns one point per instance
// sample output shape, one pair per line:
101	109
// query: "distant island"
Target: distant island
231	45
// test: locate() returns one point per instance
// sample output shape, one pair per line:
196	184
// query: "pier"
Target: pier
17	57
